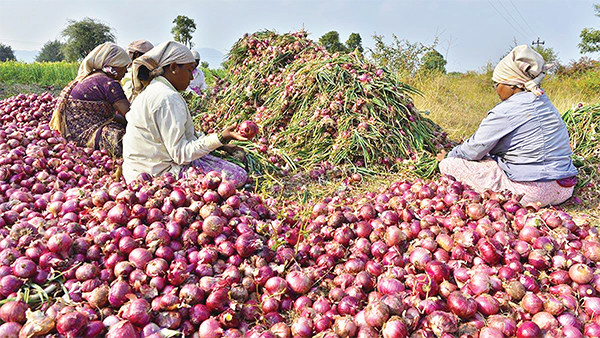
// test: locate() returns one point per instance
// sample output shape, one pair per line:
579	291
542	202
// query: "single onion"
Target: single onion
248	129
529	330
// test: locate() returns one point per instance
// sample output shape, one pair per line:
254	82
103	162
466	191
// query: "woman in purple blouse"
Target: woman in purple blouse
91	109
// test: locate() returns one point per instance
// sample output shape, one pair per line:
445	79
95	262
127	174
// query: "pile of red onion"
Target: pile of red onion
160	256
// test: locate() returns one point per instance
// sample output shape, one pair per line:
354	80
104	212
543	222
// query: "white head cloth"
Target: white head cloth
522	67
104	55
162	55
141	46
196	55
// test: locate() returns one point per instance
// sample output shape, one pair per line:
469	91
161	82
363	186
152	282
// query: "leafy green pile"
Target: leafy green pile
316	107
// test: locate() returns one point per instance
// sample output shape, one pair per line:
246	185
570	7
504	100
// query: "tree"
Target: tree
204	64
401	56
51	52
6	53
547	53
183	29
433	61
354	42
590	37
83	36
331	42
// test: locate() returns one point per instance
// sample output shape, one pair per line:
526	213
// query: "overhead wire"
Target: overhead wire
522	18
510	15
503	17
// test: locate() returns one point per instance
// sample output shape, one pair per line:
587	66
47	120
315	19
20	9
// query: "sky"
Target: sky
469	33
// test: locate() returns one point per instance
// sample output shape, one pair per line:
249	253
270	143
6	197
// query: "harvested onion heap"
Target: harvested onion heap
314	106
91	257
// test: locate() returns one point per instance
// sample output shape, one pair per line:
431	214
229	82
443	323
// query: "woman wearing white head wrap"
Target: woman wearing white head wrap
85	112
198	84
135	49
160	135
138	48
523	144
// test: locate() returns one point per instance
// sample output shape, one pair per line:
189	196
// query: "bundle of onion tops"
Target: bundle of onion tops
314	106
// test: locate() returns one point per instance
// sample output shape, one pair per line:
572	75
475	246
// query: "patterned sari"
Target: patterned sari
88	123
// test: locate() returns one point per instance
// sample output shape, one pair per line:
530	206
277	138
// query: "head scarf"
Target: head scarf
105	55
522	67
164	54
196	55
140	46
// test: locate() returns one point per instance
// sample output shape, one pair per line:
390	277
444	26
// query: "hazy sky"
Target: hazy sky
471	33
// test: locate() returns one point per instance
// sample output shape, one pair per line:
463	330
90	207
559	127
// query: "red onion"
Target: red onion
487	304
13	311
71	324
376	314
344	327
504	324
442	322
10	330
248	129
419	257
490	332
529	330
119	214
545	321
580	273
394	328
461	305
591	306
140	257
122	329
299	282
302	327
571	332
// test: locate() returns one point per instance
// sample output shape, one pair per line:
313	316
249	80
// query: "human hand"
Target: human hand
441	155
231	149
230	133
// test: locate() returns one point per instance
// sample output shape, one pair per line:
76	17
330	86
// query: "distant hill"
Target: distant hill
210	55
26	55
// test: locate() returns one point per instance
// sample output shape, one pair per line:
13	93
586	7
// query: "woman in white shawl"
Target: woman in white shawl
523	144
135	49
160	134
91	109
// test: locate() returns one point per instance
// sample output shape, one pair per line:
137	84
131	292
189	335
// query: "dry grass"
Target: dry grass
459	102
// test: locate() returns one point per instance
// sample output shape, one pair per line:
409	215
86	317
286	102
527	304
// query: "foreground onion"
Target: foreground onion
394	328
122	329
529	330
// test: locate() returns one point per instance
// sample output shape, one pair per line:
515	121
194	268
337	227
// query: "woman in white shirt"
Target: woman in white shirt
160	135
134	50
198	84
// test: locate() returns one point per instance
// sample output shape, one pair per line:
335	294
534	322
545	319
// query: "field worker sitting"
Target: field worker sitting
160	133
523	144
198	84
135	49
91	109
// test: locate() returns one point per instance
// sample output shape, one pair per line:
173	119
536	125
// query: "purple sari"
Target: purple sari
229	171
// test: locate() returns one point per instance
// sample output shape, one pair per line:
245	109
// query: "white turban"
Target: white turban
162	55
522	67
196	54
140	46
106	54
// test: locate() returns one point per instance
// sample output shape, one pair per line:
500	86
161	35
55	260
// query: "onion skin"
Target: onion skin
529	330
13	311
394	328
122	329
